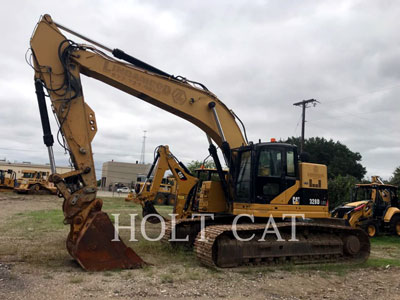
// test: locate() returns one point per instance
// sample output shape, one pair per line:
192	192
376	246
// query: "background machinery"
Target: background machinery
7	180
264	179
150	187
165	195
164	160
35	182
374	207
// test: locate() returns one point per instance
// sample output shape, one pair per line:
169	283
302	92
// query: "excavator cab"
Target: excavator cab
263	171
266	170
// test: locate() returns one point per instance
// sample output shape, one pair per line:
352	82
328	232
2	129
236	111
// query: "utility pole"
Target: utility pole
143	148
304	104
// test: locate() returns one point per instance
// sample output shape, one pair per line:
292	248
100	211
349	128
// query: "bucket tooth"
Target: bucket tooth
94	249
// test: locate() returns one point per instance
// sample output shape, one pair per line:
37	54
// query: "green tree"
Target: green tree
339	159
339	190
395	179
196	164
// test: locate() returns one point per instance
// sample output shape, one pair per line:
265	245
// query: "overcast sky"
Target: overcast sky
258	57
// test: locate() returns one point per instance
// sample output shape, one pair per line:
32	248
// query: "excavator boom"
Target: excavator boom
173	94
58	63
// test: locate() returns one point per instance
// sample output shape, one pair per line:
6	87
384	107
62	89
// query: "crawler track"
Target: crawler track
317	243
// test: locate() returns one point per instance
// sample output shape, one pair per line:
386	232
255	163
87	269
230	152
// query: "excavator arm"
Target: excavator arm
58	63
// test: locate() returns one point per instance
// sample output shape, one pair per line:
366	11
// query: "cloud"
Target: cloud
258	58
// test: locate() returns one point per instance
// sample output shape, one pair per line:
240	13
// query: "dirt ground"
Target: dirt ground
34	264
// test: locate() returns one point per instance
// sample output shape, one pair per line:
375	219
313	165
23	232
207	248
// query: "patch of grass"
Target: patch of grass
166	278
385	247
158	253
194	275
149	270
383	262
76	279
213	270
36	237
47	276
126	275
119	204
247	271
337	269
386	241
34	223
53	218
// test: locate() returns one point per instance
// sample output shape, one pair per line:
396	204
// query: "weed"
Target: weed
76	279
108	274
194	275
47	276
148	270
166	278
126	275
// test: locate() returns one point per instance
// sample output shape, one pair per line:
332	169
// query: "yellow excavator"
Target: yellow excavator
8	180
374	207
264	179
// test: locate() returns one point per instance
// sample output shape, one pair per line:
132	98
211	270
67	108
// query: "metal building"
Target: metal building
115	174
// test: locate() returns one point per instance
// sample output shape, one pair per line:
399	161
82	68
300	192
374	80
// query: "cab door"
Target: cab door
269	174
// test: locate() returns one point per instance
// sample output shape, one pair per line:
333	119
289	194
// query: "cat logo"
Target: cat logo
296	200
180	175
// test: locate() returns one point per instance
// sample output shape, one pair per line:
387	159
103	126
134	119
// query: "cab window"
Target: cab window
270	163
290	168
244	177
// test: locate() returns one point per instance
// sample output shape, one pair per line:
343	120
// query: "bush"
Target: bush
339	190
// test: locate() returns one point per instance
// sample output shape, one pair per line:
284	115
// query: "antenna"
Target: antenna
142	155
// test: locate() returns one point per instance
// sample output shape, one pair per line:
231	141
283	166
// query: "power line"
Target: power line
304	104
327	102
344	114
297	125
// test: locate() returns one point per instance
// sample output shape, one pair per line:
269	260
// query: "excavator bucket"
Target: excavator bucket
149	209
94	249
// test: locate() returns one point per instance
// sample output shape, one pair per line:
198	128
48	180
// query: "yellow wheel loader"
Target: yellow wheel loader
264	181
35	183
374	207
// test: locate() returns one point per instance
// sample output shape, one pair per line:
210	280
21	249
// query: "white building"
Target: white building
120	173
